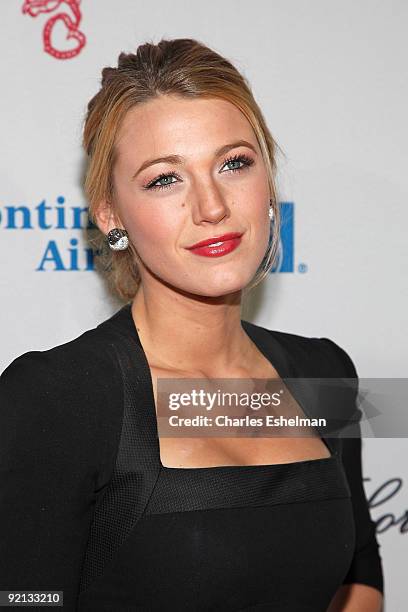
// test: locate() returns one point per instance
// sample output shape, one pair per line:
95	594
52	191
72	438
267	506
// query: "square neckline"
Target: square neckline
277	357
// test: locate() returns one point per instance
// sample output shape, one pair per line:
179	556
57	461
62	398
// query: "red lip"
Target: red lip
215	239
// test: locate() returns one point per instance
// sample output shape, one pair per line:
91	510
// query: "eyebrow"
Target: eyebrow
178	159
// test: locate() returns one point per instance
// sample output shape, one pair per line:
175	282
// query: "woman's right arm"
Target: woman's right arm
50	457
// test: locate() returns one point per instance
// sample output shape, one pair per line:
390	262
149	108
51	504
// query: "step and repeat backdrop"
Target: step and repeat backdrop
331	80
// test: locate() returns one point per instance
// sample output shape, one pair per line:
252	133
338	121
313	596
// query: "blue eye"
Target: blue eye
240	158
162	177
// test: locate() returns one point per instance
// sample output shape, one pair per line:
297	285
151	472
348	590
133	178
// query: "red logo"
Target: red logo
35	7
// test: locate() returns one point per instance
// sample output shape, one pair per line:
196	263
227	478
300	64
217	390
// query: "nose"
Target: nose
209	206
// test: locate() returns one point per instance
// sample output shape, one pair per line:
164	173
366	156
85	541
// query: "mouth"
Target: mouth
215	241
217	246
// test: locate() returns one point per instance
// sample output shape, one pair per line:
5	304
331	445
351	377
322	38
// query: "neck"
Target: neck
191	333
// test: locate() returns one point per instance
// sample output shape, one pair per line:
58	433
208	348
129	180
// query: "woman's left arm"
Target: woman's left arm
363	586
356	598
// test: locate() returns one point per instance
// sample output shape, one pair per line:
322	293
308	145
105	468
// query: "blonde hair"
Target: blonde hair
183	67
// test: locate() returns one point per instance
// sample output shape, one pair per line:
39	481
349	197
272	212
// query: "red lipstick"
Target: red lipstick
217	246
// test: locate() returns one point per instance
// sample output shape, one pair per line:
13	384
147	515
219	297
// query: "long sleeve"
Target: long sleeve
56	452
366	567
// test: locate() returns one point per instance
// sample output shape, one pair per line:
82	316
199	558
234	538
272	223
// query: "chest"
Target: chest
199	452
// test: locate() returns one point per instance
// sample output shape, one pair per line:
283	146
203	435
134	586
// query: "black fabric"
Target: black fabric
87	508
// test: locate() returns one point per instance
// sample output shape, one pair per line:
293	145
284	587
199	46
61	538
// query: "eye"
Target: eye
165	178
243	159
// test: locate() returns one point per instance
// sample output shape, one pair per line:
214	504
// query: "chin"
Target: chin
218	285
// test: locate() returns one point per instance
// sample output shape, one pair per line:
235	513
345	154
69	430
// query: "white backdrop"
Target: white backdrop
331	79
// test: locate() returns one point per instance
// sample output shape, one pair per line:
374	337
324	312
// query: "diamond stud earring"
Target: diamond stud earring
118	239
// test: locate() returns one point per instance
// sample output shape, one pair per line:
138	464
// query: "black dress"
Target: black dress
88	508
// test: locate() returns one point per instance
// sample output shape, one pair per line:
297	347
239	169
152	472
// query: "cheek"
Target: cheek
260	220
150	226
262	233
256	204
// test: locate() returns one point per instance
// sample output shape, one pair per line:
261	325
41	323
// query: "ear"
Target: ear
106	218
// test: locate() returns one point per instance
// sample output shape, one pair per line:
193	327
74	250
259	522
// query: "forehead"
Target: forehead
170	124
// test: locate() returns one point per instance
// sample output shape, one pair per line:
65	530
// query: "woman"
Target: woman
95	504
